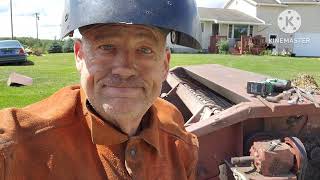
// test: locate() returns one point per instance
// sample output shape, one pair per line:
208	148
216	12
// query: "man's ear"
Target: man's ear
167	59
78	54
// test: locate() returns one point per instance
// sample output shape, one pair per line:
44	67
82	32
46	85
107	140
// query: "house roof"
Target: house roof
227	16
278	2
299	1
266	1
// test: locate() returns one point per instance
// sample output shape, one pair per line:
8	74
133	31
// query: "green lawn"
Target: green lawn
52	72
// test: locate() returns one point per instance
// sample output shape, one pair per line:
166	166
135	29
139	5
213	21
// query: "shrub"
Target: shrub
223	46
266	53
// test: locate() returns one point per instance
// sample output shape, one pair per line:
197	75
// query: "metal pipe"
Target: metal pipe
241	160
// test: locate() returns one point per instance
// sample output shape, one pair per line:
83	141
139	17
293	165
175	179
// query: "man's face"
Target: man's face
122	68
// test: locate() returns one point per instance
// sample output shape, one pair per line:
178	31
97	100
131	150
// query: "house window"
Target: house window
240	30
251	31
273	37
230	31
202	27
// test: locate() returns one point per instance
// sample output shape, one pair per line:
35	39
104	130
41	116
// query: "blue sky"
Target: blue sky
50	16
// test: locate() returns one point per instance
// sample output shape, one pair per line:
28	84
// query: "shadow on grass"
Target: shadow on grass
27	63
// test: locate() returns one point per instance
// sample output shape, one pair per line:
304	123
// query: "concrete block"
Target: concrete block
16	79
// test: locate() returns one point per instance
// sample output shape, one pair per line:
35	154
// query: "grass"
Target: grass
49	73
54	71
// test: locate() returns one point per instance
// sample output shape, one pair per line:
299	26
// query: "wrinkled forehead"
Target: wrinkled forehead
99	31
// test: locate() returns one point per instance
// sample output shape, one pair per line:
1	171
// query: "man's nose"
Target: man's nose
124	66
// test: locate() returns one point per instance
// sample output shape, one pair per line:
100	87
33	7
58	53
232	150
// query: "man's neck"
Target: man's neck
134	127
130	127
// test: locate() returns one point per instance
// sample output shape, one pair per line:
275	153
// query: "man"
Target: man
113	126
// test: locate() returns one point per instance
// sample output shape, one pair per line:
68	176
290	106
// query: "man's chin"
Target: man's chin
120	117
126	108
122	103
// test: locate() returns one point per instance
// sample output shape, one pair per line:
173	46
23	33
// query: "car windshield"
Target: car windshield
9	44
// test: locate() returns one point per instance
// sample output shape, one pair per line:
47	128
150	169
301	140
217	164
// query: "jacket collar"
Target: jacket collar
104	133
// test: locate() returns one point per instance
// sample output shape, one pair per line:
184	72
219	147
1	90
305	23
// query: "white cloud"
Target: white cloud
50	16
24	23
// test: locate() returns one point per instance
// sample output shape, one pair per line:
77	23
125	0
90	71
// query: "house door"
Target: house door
215	29
308	44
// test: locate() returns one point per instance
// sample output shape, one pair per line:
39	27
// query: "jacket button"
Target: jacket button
133	152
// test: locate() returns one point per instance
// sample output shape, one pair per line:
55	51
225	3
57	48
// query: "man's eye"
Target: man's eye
145	50
107	47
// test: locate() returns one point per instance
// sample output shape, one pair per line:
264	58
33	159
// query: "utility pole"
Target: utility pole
11	19
37	19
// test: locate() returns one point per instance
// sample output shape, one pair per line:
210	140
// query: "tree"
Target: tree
68	46
55	48
41	46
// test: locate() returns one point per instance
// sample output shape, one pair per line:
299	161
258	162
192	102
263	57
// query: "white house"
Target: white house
264	17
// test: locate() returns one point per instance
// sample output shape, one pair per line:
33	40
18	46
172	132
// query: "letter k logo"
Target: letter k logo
289	21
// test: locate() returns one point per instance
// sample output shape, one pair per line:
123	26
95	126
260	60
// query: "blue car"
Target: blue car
11	51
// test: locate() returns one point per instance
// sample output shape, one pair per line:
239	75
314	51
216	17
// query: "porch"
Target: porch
246	45
239	29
